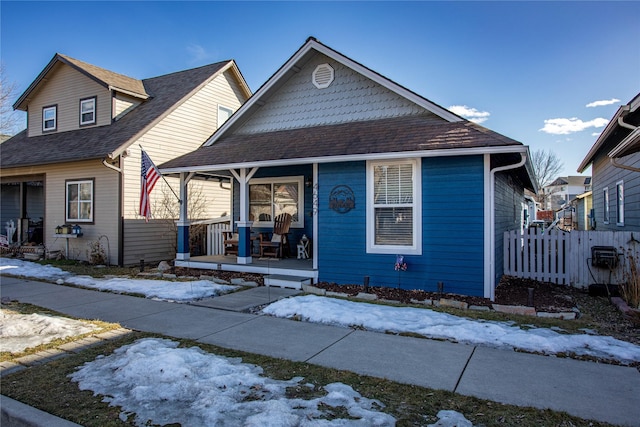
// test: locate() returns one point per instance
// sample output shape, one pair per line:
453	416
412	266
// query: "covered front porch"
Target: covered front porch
258	196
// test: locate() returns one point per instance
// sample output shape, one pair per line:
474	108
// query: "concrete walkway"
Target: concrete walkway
589	390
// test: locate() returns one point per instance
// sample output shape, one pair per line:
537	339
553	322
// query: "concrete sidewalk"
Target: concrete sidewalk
588	390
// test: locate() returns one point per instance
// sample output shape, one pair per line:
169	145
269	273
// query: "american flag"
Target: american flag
149	175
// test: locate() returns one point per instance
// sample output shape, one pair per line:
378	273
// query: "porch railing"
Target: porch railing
214	236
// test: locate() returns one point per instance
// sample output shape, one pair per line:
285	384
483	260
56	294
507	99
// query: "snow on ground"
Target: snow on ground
158	289
156	382
432	324
22	331
31	269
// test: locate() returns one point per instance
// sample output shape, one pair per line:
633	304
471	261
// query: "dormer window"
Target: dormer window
88	111
49	118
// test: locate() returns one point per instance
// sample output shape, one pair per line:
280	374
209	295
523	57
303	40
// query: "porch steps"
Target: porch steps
283	281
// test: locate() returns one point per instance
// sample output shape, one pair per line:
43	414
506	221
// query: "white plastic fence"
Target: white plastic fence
564	257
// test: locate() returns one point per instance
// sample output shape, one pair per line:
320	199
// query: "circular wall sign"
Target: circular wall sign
342	199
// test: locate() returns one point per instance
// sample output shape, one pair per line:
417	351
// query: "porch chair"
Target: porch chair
277	245
230	242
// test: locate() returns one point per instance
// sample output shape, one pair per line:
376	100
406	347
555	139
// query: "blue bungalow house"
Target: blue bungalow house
369	170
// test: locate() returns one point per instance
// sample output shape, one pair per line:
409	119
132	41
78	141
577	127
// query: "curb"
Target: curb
17	414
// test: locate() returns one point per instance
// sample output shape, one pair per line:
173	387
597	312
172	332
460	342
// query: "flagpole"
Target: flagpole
162	176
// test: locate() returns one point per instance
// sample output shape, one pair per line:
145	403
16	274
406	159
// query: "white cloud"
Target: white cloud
199	54
470	113
603	102
572	125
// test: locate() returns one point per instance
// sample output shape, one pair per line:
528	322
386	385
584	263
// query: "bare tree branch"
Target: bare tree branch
8	118
546	165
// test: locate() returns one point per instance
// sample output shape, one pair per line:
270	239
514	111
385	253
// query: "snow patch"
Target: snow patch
156	382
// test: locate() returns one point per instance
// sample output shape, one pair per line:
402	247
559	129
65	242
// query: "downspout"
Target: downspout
623	124
120	217
490	288
110	166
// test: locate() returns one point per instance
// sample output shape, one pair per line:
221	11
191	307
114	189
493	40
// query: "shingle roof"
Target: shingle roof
402	134
114	80
106	78
165	92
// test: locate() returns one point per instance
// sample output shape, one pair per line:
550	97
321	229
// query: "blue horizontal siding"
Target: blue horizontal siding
452	229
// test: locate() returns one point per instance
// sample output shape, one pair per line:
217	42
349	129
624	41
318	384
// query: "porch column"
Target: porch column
244	224
23	222
183	223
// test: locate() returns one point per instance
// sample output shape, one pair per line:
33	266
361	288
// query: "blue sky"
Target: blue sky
529	70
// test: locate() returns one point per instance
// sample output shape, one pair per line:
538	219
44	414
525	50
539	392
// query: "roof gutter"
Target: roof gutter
490	227
633	136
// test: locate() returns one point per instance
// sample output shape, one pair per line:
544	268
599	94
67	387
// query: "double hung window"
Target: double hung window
49	118
79	197
88	111
394	207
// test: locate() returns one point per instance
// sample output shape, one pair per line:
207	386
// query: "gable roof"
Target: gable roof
106	78
311	47
621	137
166	93
436	132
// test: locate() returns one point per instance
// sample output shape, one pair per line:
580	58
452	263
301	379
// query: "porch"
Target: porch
258	197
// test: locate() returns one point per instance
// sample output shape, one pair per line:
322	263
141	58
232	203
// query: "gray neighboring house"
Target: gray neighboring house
615	161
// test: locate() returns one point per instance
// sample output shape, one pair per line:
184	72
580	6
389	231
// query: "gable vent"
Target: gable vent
322	76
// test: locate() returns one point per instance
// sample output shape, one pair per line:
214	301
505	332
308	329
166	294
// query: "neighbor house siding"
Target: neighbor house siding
452	230
583	210
138	247
180	132
606	175
65	88
105	205
508	215
122	104
351	97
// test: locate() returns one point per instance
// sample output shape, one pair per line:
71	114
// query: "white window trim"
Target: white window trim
66	200
619	205
93	121
55	118
416	247
606	218
283	180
